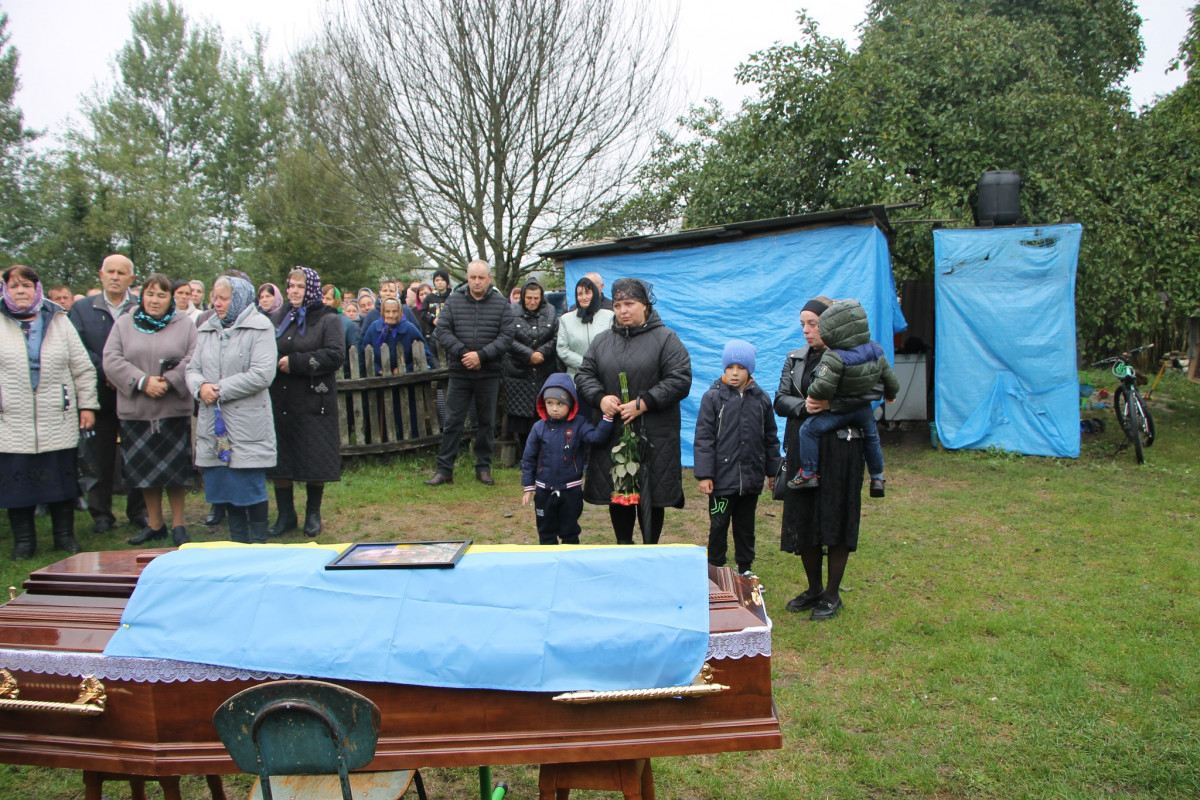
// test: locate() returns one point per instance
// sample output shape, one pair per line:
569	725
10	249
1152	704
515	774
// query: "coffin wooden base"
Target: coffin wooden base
632	777
93	785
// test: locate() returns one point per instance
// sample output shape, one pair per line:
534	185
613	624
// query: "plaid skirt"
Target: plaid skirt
157	452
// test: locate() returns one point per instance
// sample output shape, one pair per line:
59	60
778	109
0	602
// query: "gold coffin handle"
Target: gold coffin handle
90	703
702	685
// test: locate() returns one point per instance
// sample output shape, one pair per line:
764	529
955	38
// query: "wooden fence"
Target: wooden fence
391	412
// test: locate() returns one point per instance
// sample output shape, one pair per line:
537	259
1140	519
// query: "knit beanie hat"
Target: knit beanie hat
443	274
556	393
739	352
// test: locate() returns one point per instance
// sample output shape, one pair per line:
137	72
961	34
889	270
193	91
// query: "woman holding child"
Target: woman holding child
826	516
658	372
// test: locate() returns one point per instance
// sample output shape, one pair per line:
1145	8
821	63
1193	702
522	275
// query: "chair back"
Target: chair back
298	728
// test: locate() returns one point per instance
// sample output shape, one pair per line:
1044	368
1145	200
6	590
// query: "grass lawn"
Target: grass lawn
1015	627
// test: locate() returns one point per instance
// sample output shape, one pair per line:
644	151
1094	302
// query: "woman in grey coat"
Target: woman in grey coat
230	374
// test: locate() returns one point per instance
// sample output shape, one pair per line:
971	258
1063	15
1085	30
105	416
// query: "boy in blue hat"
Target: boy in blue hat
736	451
556	454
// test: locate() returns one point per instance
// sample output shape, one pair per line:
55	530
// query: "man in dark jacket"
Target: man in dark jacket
94	318
475	329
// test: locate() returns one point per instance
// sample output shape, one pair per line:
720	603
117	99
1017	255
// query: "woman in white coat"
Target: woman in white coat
47	393
578	327
230	372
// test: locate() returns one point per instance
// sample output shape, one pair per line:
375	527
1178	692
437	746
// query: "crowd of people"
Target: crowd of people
592	395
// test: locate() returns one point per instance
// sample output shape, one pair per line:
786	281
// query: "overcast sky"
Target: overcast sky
68	46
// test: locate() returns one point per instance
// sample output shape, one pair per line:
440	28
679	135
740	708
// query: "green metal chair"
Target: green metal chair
299	734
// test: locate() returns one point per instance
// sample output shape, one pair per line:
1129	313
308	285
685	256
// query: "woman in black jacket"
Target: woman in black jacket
311	348
658	371
530	358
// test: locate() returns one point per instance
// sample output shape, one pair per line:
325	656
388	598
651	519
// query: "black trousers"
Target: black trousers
624	517
108	455
738	509
462	393
557	513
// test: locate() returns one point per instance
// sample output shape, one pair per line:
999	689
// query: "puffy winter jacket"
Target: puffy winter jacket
557	449
48	419
484	326
737	442
853	363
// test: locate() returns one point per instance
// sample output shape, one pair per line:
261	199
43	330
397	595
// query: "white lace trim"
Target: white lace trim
738	644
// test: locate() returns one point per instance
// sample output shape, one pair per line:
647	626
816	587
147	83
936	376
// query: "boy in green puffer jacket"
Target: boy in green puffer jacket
852	366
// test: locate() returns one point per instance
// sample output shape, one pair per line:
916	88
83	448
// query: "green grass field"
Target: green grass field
1015	627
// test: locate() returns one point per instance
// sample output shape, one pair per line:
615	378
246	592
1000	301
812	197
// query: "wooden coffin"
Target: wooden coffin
53	634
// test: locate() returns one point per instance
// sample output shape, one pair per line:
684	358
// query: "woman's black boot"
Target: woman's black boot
258	522
239	524
285	503
216	514
312	509
62	523
24	533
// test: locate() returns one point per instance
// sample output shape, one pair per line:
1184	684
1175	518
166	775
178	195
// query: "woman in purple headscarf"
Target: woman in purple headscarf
312	348
48	389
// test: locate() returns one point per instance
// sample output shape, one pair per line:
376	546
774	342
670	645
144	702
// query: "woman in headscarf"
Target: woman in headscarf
396	336
230	374
47	393
658	374
146	359
270	299
312	350
530	358
578	327
332	297
825	518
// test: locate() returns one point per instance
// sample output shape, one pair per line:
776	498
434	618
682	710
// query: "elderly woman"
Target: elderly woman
530	358
47	393
146	359
826	517
312	350
658	374
230	373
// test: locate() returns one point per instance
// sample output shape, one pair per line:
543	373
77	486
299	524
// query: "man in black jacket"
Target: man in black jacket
94	318
475	329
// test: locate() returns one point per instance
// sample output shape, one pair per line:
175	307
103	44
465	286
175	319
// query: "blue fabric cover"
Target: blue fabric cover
593	618
754	290
1005	338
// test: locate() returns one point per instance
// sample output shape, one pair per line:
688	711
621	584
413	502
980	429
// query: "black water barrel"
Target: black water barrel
999	198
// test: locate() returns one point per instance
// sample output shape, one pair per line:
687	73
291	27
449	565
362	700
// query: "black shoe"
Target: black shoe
148	534
285	524
804	601
877	487
216	514
439	478
312	524
484	476
66	541
802	481
179	535
101	525
826	609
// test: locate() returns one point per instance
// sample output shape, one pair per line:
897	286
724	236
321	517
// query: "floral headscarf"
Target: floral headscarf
277	302
241	298
22	311
312	299
144	322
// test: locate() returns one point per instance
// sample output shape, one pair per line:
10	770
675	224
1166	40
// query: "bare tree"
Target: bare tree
489	128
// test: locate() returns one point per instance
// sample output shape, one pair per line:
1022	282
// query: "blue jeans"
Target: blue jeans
820	424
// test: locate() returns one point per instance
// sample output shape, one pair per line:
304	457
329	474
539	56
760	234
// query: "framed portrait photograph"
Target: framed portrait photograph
401	555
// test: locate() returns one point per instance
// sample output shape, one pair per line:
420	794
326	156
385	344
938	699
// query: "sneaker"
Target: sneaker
826	609
877	487
802	481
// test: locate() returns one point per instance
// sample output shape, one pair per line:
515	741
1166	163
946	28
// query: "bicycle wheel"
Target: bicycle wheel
1119	406
1132	421
1147	429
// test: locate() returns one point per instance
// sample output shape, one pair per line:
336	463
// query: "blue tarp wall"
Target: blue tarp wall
1005	339
754	290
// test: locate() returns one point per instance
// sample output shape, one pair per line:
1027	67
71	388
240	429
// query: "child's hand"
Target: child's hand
705	486
525	498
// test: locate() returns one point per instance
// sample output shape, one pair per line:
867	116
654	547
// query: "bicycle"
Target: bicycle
1132	413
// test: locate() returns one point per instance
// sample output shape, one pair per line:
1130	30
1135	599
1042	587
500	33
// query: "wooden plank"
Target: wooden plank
385	401
343	407
420	395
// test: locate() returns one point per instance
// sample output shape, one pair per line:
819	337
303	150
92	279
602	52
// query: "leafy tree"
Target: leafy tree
14	138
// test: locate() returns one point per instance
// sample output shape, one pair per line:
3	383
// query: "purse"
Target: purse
781	479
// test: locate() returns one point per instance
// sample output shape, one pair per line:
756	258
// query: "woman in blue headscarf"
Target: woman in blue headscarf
396	336
230	373
311	349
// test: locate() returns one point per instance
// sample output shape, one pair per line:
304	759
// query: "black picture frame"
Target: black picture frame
401	555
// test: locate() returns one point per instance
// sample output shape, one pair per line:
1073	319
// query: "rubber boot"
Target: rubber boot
239	523
285	502
62	523
312	509
258	522
24	533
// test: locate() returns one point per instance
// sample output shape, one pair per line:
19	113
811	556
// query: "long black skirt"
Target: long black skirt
157	452
32	479
828	515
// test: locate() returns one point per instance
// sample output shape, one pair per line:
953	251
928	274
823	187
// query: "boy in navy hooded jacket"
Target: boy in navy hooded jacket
555	457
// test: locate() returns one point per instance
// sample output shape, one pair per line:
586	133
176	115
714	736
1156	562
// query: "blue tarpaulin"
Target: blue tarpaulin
536	620
754	290
1005	338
